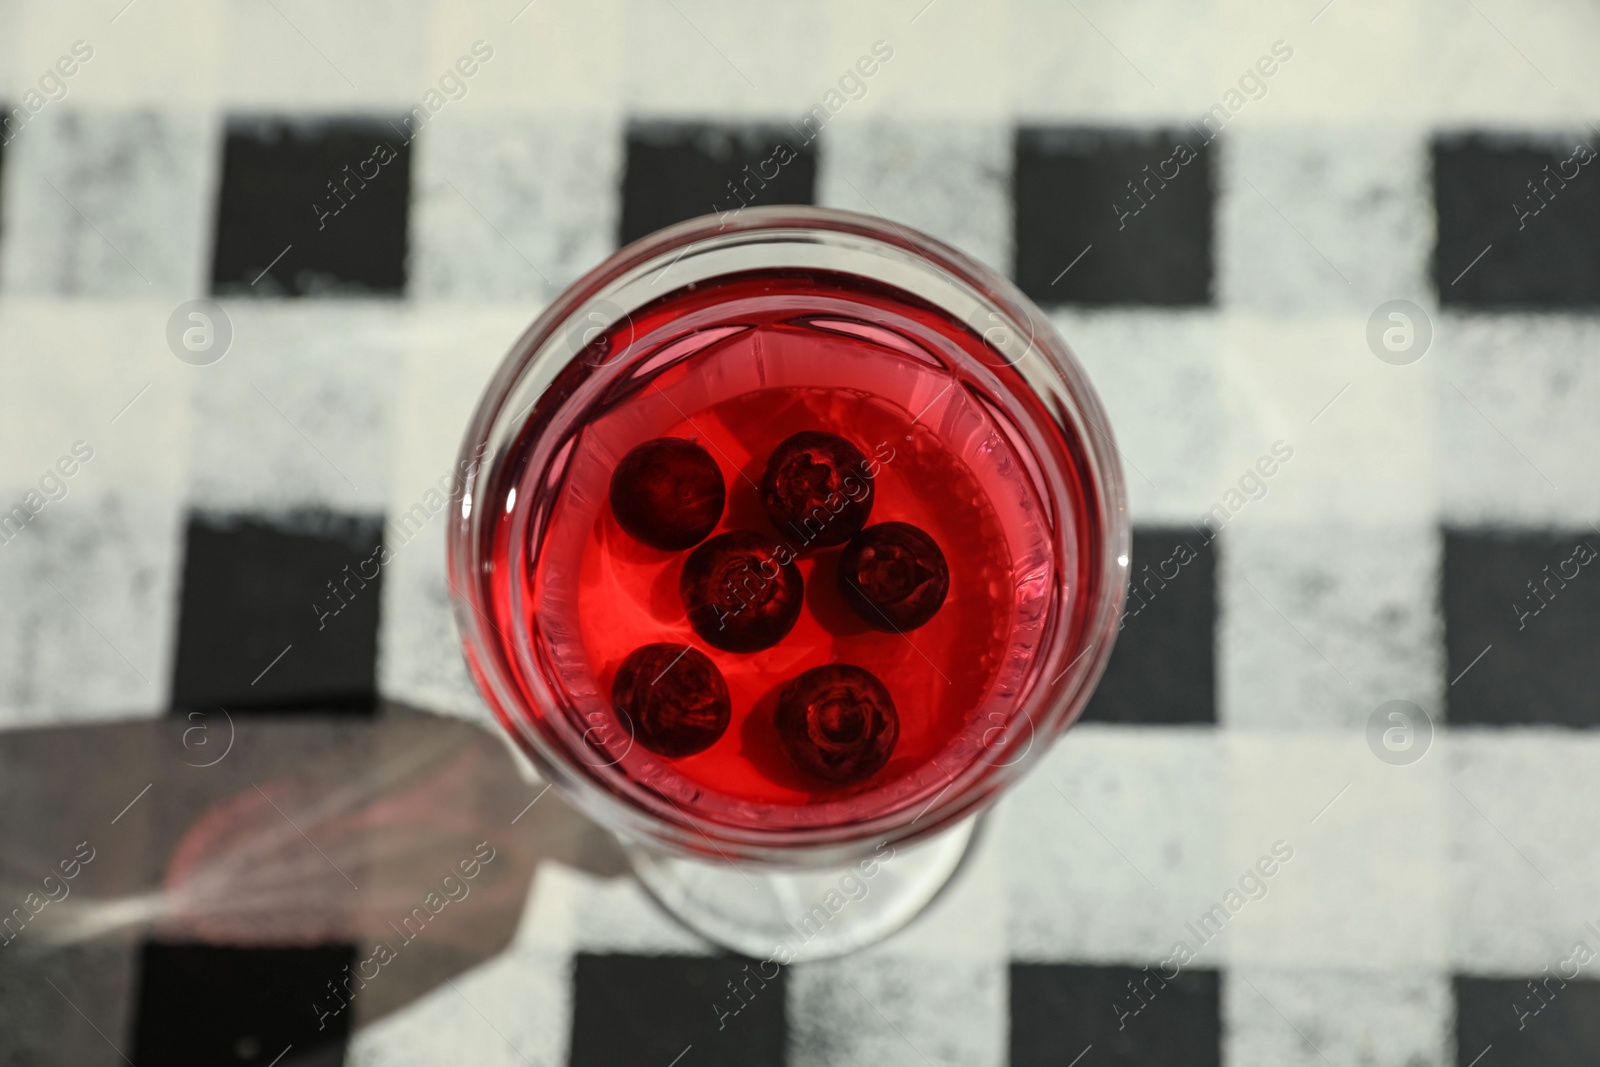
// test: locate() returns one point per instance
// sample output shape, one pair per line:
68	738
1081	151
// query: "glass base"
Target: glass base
791	916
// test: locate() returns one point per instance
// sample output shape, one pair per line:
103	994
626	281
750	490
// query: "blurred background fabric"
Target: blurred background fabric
1333	266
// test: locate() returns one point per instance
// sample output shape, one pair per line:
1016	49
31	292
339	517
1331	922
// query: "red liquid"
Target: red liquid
738	366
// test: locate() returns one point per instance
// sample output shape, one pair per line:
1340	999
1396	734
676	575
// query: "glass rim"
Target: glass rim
1028	343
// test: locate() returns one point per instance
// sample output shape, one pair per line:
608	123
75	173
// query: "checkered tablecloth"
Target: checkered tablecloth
1216	203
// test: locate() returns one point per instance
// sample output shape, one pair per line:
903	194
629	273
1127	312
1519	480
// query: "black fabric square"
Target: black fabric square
312	209
649	1009
279	615
1521	626
1530	208
205	1004
1542	1020
1162	669
1131	1017
677	171
1107	217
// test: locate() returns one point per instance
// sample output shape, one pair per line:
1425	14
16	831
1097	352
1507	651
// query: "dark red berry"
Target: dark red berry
742	591
674	698
837	723
668	493
894	575
816	489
